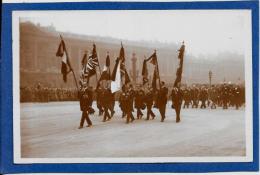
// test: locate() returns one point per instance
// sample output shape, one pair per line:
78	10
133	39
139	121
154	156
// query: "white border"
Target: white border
16	111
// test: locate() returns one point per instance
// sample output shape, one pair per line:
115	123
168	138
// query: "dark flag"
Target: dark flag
84	62
122	58
180	68
65	63
89	69
106	71
145	72
122	65
155	77
153	60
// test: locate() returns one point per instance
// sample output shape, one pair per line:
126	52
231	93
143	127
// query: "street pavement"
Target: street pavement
50	130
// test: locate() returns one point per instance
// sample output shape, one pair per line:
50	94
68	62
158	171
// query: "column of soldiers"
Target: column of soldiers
40	93
146	97
222	95
139	98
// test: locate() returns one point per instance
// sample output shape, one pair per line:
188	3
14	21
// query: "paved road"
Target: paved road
50	130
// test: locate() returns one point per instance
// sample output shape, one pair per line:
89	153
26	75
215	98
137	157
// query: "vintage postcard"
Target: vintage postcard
137	85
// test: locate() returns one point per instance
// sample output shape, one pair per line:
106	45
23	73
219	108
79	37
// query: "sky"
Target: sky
204	31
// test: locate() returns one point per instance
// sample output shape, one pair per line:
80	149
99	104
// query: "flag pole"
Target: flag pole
65	49
157	67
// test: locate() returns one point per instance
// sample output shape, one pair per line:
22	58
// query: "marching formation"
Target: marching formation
134	100
148	95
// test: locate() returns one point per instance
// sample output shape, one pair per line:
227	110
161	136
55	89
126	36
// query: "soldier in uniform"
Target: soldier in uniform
121	105
139	102
85	106
162	100
127	105
186	98
203	97
149	102
225	96
106	101
213	97
194	97
131	92
99	99
177	101
237	97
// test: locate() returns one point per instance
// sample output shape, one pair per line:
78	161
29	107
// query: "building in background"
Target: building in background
39	64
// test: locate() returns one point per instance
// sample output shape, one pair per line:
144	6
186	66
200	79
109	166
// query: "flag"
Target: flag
145	72
90	68
122	58
84	62
180	68
122	54
153	59
65	64
122	65
181	51
113	76
155	76
116	80
106	70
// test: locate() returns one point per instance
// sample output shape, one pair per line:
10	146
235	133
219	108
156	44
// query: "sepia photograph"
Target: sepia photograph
132	86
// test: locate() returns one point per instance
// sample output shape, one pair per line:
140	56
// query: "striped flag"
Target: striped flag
65	63
89	66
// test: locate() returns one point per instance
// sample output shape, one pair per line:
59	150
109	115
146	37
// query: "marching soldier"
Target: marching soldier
237	96
177	101
149	103
131	92
99	99
194	97
106	101
162	100
203	97
127	105
139	102
225	96
213	97
186	98
121	102
85	106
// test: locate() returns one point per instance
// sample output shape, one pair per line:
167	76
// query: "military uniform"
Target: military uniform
194	97
203	98
85	106
149	104
177	102
139	103
127	106
186	98
106	101
225	96
162	101
99	100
